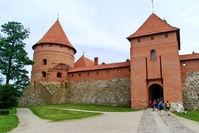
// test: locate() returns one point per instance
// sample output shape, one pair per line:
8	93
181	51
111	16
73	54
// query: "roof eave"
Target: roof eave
149	34
75	51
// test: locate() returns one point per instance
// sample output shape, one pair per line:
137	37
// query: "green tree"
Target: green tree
13	57
1	79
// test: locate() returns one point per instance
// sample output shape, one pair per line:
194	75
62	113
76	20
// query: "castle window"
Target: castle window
43	74
72	75
153	54
97	73
59	75
139	40
79	74
44	61
152	38
166	35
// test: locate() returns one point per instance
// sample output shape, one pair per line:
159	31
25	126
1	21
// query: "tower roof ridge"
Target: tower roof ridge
153	25
56	35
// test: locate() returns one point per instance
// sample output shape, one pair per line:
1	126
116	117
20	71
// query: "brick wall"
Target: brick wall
46	57
100	74
190	65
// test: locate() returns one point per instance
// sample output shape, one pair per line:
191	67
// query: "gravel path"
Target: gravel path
121	122
147	121
153	122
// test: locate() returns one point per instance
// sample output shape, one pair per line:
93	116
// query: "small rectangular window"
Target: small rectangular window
43	74
59	75
44	61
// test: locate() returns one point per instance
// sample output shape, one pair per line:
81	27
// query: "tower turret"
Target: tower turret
53	55
155	66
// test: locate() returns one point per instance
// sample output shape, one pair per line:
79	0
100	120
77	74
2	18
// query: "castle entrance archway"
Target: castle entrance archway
155	92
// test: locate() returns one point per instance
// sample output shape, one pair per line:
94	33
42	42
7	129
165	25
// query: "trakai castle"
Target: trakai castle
155	70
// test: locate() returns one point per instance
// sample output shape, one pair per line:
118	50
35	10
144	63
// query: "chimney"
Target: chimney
96	61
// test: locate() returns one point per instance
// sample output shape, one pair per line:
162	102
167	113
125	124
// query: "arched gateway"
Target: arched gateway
155	92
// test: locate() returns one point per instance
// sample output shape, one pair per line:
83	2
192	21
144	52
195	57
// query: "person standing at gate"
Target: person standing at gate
150	104
154	104
168	106
160	106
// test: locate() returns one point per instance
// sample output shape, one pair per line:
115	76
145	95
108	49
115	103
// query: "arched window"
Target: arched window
153	54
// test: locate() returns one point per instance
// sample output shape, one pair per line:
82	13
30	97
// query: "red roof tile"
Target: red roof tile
56	35
83	62
100	67
193	56
153	25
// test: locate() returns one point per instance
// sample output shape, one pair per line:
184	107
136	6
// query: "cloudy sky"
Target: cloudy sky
100	27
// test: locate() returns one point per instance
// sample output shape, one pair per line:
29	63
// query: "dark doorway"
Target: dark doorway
155	92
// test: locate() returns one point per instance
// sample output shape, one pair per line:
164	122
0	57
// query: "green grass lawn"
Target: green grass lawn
8	122
49	113
93	107
191	115
55	113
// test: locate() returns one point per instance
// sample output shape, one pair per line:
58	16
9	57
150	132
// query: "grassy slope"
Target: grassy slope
191	115
53	113
8	122
59	115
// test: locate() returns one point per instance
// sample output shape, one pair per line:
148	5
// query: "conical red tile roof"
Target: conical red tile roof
153	25
56	35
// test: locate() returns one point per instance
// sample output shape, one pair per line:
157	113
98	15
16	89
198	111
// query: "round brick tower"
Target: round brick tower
53	56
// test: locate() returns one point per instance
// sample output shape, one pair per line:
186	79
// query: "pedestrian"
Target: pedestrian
168	106
150	104
154	104
160	107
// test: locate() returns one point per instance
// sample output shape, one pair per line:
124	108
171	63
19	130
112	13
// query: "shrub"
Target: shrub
8	96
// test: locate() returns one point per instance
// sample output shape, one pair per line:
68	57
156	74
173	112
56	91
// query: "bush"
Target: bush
4	112
8	96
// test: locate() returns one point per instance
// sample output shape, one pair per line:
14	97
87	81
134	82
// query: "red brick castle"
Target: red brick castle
155	70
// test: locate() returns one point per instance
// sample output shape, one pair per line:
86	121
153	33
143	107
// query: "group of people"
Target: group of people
160	105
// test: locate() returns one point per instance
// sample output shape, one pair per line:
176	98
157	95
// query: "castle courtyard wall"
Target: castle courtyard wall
191	91
111	92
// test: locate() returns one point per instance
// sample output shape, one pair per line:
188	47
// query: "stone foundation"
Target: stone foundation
111	92
44	93
191	91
